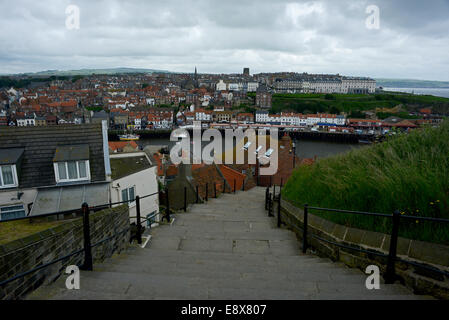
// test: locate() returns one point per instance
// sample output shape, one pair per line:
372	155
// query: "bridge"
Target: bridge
226	249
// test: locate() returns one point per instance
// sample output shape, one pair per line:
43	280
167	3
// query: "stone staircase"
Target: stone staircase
225	249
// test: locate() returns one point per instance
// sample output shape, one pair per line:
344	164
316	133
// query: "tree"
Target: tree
334	110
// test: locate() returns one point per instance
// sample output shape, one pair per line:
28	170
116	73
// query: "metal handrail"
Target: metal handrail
97	207
390	274
87	265
381	214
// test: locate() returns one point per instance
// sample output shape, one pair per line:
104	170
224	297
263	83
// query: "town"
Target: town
164	101
63	173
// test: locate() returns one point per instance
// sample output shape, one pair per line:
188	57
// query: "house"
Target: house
222	116
51	120
3	119
100	116
52	169
123	146
261	116
28	120
40	121
245	117
263	98
133	175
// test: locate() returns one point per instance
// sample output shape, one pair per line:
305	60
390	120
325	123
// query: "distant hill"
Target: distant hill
84	72
411	83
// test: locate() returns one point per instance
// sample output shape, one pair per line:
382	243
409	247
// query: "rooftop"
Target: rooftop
125	166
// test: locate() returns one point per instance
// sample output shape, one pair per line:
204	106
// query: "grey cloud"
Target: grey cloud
224	36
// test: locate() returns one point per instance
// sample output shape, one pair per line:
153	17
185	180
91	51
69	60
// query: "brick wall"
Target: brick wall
27	253
418	279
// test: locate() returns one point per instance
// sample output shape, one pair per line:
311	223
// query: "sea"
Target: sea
439	92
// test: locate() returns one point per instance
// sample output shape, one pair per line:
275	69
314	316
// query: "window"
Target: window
8	176
12	212
129	194
72	171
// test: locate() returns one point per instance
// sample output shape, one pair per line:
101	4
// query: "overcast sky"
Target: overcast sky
225	36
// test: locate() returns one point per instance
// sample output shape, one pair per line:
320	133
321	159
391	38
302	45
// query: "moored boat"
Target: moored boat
129	137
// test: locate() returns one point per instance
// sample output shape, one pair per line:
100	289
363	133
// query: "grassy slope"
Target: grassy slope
409	173
13	230
353	102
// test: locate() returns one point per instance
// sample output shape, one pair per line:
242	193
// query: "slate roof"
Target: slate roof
71	153
10	156
125	166
40	144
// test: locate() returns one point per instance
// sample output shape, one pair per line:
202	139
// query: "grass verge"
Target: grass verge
409	173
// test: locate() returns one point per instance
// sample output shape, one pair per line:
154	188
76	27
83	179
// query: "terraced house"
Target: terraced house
53	168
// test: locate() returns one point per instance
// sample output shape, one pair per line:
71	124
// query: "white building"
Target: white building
134	175
26	121
203	115
252	86
221	86
308	83
137	123
262	116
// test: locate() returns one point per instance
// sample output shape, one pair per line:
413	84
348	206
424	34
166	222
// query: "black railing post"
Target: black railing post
234	185
266	198
185	199
281	182
279	210
197	195
139	223
215	189
207	191
271	181
87	244
270	204
224	186
274	191
167	213
243	187
304	229
390	273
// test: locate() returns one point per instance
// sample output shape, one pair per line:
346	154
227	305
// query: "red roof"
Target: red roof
116	145
231	175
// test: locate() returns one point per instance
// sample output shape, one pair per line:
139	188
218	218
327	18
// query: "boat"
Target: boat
365	141
129	137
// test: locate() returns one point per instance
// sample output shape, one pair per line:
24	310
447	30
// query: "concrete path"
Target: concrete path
225	249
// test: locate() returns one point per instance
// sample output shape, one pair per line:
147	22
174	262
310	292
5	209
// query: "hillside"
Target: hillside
86	72
355	103
409	173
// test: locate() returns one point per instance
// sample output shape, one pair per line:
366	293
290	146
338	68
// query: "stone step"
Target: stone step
236	266
187	287
224	249
258	274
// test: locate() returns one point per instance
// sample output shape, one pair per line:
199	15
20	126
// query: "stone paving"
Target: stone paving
226	249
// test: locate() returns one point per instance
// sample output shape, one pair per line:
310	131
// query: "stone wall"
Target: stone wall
418	279
27	253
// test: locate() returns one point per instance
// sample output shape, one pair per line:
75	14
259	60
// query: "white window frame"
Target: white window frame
59	180
130	203
14	177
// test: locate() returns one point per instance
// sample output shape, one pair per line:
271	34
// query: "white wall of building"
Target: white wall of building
145	182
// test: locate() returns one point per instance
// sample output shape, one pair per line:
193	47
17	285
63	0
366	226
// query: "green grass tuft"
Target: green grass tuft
409	173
